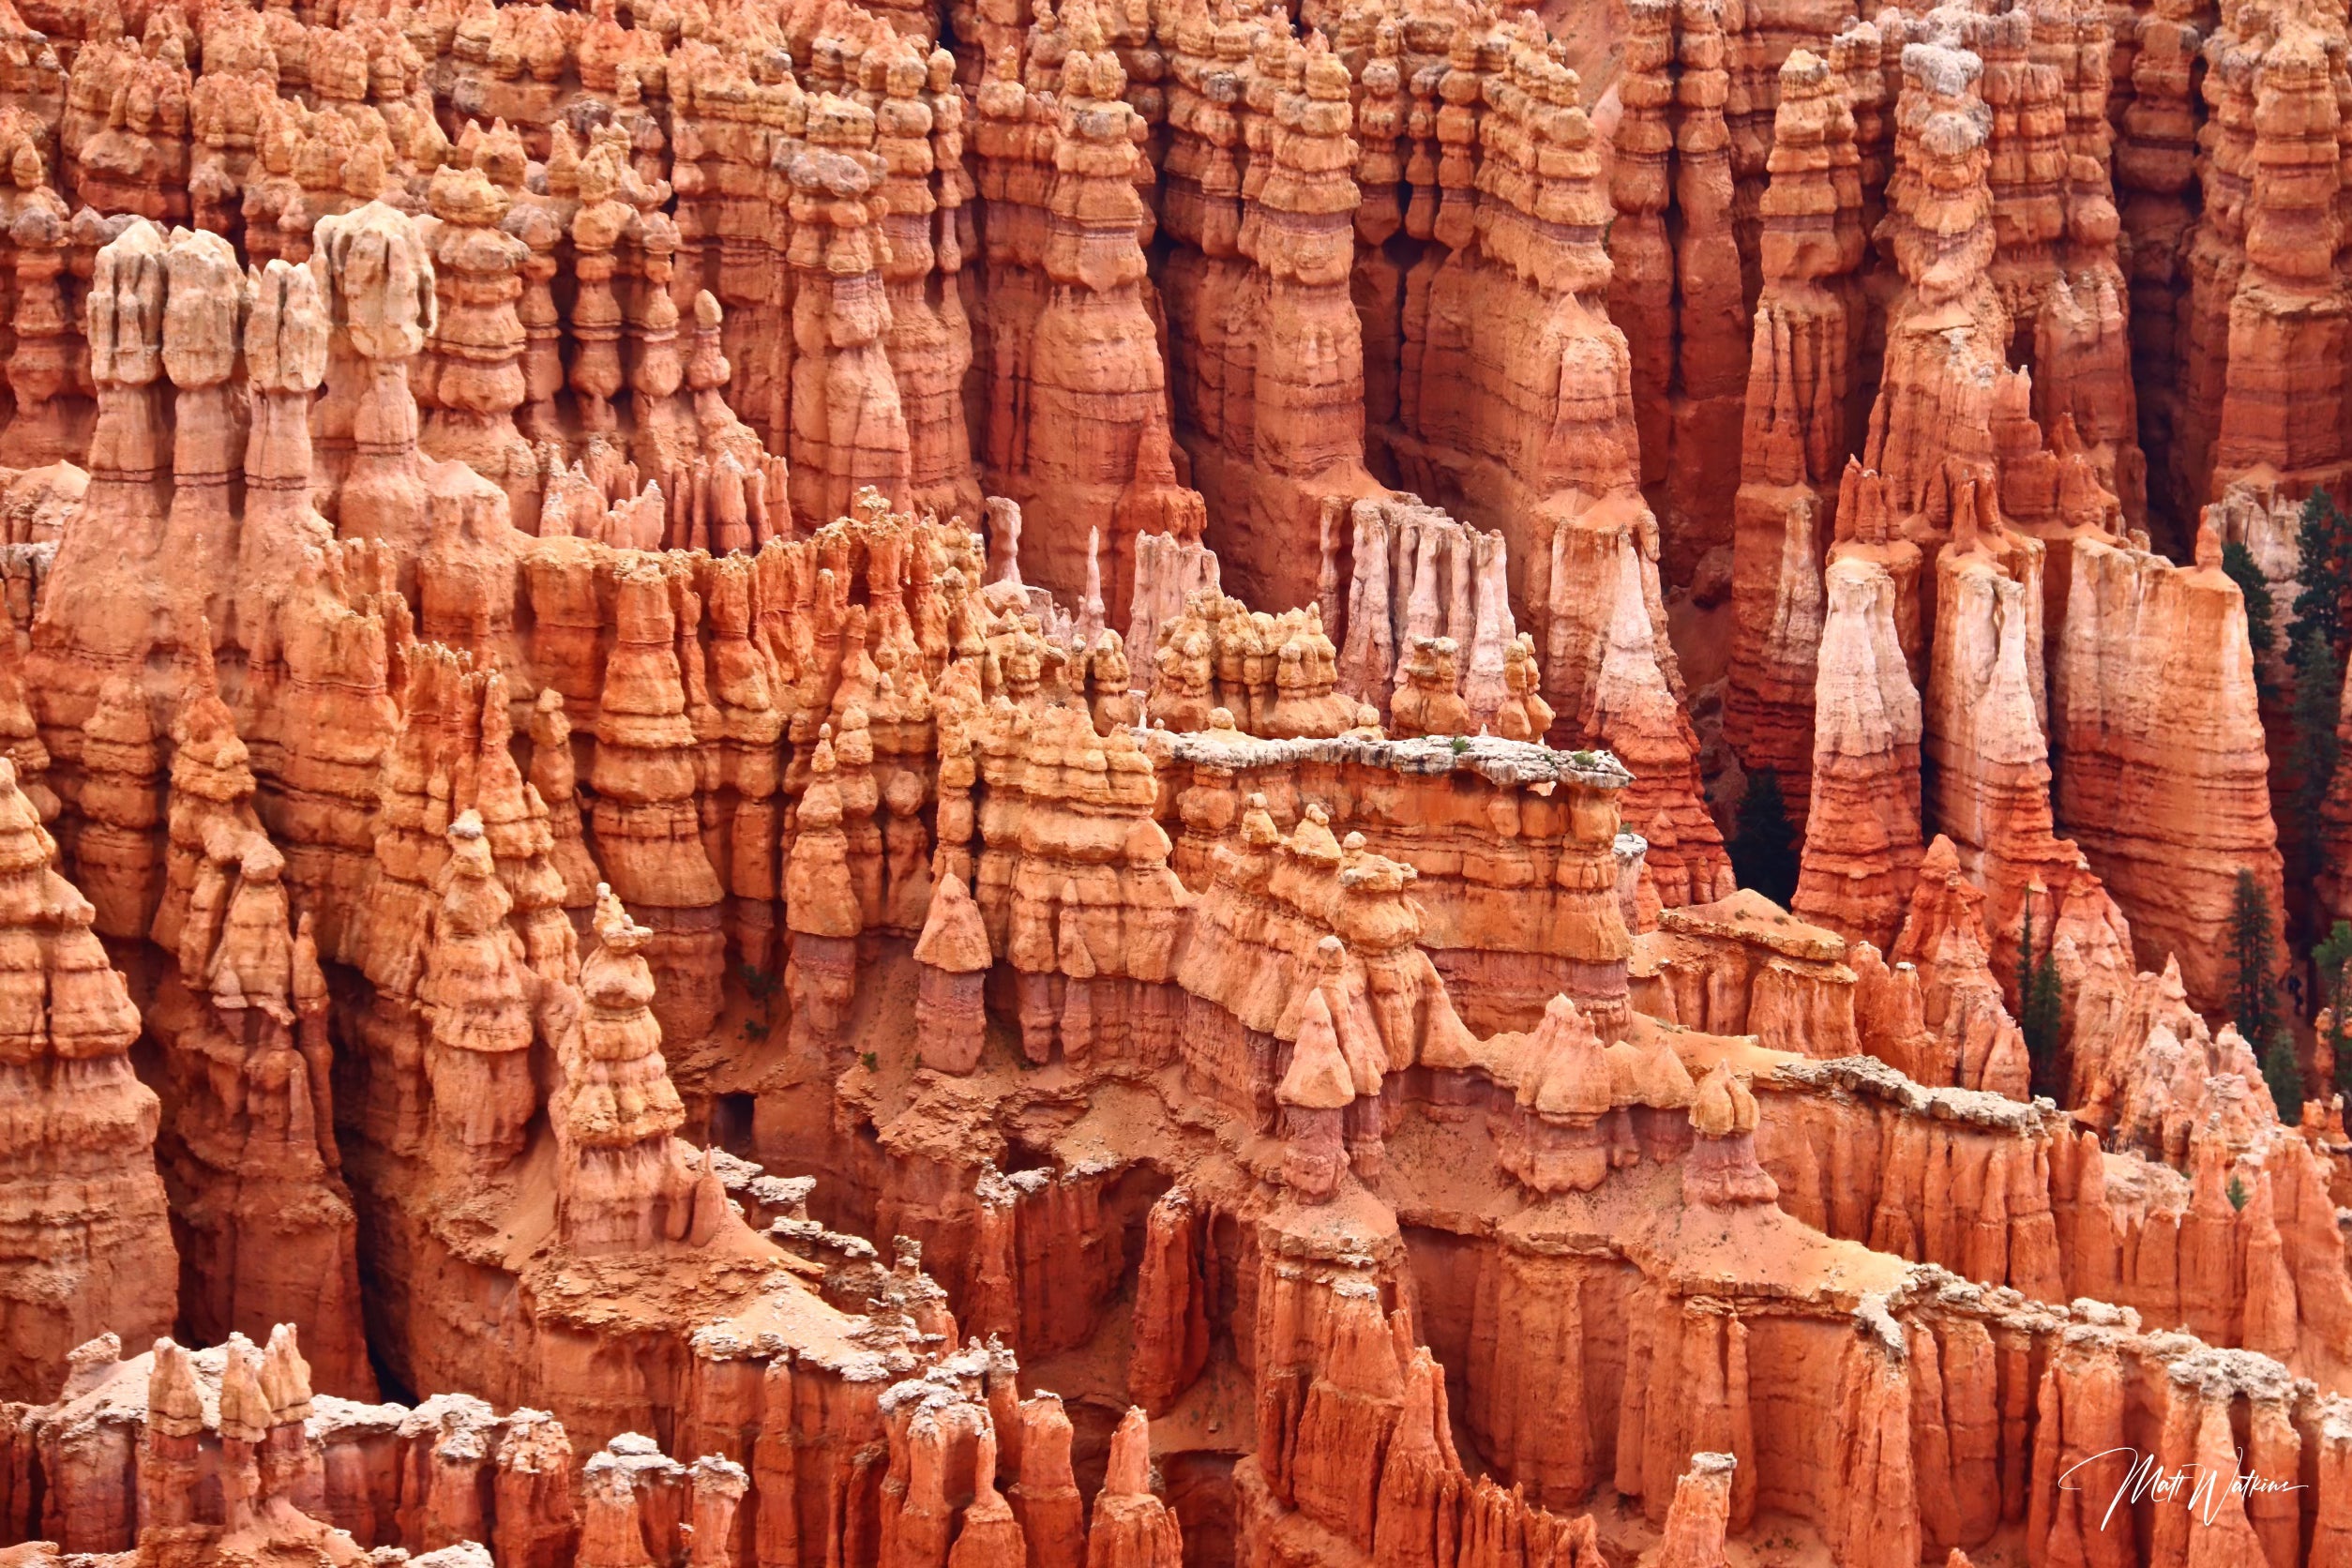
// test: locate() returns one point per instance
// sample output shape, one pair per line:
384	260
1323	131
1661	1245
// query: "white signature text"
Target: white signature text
2194	1486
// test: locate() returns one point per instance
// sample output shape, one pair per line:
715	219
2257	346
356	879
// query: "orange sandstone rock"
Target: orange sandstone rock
90	1245
2174	881
1862	843
1701	1510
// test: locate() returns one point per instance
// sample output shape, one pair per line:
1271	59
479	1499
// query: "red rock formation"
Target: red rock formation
249	1147
2270	285
1288	440
101	621
849	427
1721	1171
1131	1527
645	825
1701	1510
1272	675
621	1184
1933	399
90	1251
52	408
1985	723
870	795
950	1018
1944	938
1079	436
1799	383
1417	574
1741	965
1629	701
471	374
1862	843
2141	1061
2180	630
378	288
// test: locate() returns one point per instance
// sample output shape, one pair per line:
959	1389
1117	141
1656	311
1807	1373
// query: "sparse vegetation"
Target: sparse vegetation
763	989
2255	997
2284	1075
2041	1007
2314	749
2254	1001
2329	961
2316	652
2238	562
2323	604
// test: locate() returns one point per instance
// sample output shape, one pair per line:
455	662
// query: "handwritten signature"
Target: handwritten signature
2195	1487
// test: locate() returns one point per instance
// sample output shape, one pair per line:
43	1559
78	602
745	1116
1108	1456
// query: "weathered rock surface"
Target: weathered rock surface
780	722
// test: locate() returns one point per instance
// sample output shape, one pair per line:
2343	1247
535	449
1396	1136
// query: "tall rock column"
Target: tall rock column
1304	442
381	303
598	220
1711	333
2082	347
1375	281
1799	376
286	333
848	428
1985	725
248	1149
1131	1527
2282	407
50	419
2213	254
2161	774
338	627
646	822
1098	452
930	340
1876	1516
86	1246
2155	164
1947	334
1641	187
104	608
1862	844
206	299
621	1184
1631	706
477	1005
821	915
474	366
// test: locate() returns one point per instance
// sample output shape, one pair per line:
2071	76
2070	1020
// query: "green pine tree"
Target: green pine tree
2049	995
2040	1009
2284	1075
1763	843
2332	963
2324	541
2313	749
2238	562
2253	1003
2316	649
